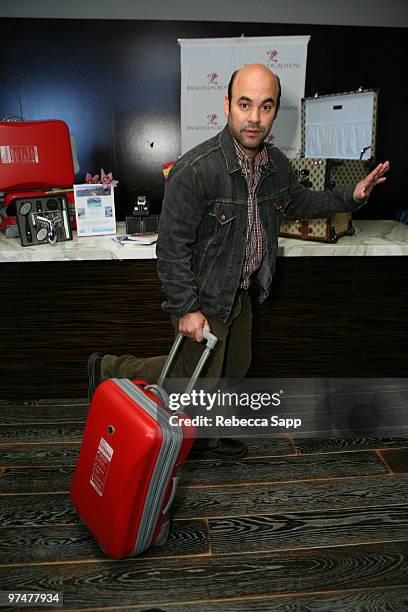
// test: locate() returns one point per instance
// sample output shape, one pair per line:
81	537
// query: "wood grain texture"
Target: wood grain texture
301	331
308	529
76	543
273	469
59	328
37	510
250	499
152	581
35	480
392	600
48	509
29	454
42	403
39	455
44	413
311	446
263	469
301	305
392	390
42	432
277	469
337	519
341	331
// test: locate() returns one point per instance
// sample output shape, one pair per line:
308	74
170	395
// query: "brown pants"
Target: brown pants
231	357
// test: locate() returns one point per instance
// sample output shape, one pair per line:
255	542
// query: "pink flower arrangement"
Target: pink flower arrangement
105	179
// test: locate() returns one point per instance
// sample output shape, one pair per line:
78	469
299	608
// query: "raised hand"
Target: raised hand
364	187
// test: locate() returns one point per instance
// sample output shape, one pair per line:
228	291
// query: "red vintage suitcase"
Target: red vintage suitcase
35	155
126	475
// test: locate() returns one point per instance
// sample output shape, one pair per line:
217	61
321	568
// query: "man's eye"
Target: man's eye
267	107
244	105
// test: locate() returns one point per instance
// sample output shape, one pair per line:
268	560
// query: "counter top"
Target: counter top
372	238
88	248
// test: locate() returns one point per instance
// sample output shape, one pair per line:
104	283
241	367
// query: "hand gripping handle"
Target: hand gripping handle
211	342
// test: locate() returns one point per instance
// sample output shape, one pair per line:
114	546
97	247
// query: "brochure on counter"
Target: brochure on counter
94	209
144	238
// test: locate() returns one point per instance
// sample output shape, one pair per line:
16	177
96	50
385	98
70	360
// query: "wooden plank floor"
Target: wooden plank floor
297	525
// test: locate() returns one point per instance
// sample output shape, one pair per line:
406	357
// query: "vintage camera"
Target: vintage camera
43	220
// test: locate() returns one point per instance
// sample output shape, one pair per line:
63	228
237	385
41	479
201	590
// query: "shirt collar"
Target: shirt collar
247	161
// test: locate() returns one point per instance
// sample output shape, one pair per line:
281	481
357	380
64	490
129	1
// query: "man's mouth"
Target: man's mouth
252	131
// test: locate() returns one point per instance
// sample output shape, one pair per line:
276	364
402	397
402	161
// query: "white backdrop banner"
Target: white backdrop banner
206	68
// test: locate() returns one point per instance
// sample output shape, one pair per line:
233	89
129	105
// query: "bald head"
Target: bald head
259	71
251	105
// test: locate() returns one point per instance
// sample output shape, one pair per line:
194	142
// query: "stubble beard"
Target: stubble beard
249	143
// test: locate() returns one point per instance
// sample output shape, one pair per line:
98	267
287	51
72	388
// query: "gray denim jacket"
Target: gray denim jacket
204	220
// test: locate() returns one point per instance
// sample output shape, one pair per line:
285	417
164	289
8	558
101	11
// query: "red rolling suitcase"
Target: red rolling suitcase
126	477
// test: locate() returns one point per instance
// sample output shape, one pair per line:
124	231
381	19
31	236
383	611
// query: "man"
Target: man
218	233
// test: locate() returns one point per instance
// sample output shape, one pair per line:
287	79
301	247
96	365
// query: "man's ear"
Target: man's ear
226	106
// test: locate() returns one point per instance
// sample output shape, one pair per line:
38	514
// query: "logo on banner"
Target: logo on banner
210	84
272	55
272	60
211	125
212	78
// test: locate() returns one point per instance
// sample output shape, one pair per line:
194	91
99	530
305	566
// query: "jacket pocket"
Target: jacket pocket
222	213
219	230
221	218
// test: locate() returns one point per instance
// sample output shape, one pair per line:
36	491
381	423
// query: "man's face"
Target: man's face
253	107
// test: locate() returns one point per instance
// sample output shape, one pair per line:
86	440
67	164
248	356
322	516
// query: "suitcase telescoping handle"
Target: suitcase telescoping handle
211	342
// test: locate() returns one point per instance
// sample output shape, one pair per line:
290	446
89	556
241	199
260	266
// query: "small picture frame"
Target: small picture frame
94	209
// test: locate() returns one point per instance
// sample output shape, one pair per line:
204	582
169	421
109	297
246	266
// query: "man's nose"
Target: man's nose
254	116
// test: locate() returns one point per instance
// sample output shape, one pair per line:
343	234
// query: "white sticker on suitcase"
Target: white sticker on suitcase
101	466
19	154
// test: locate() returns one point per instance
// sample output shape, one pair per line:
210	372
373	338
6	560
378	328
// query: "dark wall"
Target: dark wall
117	85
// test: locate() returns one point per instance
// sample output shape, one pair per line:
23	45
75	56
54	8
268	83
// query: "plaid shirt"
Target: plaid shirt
255	240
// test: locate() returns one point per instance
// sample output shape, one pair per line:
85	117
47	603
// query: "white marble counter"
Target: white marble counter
92	248
372	238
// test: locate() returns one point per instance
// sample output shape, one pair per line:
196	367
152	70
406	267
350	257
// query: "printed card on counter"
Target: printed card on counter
135	239
94	209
